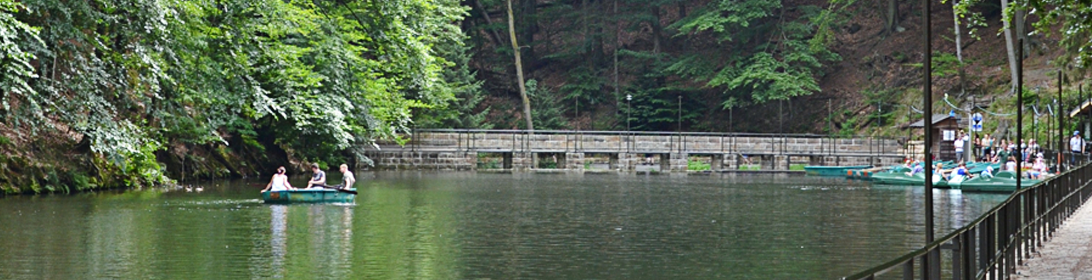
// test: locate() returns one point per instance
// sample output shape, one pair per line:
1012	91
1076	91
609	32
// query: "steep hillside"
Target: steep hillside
878	71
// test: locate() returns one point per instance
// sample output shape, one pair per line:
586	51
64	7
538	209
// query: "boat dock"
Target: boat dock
1067	255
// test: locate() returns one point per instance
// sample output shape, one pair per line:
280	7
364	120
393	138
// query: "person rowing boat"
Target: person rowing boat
348	179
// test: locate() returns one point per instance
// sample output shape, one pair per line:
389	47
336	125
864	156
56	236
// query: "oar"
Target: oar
337	189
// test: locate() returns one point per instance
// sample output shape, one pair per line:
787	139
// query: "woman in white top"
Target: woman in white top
279	182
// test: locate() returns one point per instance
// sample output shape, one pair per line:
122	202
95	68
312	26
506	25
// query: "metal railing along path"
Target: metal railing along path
654	142
991	246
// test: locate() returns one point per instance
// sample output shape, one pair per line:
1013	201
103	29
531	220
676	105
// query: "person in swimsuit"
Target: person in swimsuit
279	182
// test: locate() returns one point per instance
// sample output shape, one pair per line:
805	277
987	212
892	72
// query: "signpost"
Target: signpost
976	126
976	122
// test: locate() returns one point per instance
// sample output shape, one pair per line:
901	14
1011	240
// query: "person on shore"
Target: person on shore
1024	151
1076	145
318	177
347	178
959	142
987	145
279	182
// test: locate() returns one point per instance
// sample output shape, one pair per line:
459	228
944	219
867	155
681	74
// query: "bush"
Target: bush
696	165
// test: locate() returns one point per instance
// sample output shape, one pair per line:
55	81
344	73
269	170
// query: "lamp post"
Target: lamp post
629	108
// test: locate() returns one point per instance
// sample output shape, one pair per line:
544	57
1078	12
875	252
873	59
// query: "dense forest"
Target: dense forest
111	93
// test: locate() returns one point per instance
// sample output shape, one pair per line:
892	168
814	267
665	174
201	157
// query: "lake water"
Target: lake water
414	225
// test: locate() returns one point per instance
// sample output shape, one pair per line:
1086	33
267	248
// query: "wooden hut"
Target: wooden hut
945	130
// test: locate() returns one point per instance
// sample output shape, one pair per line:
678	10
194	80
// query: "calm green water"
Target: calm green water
480	226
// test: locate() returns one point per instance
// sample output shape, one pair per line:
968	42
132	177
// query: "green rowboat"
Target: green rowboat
900	178
1004	181
312	195
832	171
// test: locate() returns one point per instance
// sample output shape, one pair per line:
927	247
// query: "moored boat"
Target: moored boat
900	178
312	195
1004	181
834	171
866	174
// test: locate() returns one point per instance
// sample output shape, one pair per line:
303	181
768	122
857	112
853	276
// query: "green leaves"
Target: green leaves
316	78
15	67
1075	19
786	66
728	18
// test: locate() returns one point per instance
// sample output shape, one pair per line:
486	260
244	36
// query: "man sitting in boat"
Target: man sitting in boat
959	174
279	182
347	177
916	168
988	173
318	177
1038	169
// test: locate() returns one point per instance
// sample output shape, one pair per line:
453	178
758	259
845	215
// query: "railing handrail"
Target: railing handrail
652	133
887	266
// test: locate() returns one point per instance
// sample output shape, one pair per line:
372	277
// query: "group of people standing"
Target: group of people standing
279	182
995	150
1009	152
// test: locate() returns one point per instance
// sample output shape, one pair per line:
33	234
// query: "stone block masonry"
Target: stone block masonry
460	150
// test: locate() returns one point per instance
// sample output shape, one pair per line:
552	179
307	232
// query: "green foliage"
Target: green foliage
972	18
945	64
547	162
1075	20
697	165
773	70
17	41
462	112
314	78
546	109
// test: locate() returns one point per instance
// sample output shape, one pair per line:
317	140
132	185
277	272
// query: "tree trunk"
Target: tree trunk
617	46
527	35
959	50
1021	32
519	69
485	14
585	50
682	9
892	16
1008	44
657	30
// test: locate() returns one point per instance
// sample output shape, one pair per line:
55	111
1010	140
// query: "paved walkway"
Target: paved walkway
1068	255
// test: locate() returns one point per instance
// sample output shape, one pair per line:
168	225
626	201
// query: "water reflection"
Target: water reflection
278	243
482	226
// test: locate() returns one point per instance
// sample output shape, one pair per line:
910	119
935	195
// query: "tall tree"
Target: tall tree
1009	44
958	46
519	69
